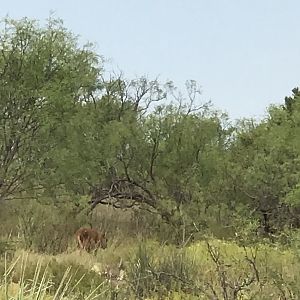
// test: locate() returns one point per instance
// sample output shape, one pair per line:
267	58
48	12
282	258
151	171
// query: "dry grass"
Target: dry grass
278	269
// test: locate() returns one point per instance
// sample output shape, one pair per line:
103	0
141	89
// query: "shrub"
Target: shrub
44	227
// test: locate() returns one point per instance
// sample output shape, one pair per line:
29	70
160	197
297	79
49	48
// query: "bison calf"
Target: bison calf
90	239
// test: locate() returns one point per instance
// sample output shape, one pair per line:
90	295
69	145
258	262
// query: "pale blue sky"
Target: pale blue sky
244	54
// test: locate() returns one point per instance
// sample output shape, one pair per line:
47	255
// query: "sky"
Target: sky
245	54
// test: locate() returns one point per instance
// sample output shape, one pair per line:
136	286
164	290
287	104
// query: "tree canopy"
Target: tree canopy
67	127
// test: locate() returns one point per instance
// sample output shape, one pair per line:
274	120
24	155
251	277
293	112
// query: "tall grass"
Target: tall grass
41	286
205	270
38	261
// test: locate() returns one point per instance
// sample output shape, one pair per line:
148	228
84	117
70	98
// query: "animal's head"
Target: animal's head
103	240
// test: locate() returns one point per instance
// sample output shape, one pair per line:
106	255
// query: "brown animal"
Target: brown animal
90	239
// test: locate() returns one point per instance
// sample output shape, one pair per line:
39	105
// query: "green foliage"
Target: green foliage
139	272
175	169
151	275
43	228
154	271
44	73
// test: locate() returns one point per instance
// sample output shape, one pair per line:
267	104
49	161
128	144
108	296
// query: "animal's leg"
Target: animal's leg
88	245
97	245
80	243
95	251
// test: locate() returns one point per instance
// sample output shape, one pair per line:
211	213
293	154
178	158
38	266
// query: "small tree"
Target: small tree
44	74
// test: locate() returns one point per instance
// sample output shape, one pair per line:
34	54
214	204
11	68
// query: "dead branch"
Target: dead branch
122	193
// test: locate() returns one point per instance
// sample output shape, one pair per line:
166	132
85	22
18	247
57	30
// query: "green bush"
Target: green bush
177	271
153	272
47	228
140	272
